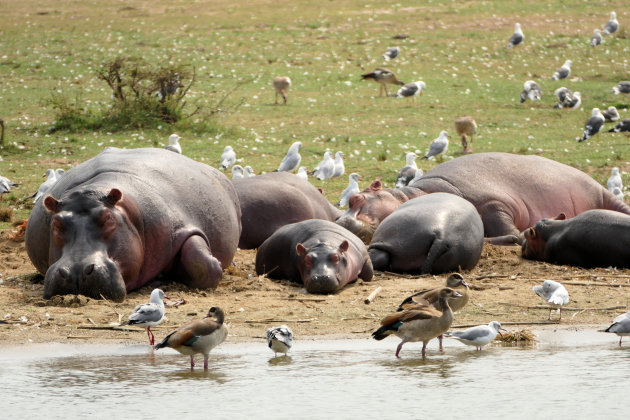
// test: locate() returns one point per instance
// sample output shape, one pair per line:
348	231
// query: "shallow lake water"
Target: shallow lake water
567	374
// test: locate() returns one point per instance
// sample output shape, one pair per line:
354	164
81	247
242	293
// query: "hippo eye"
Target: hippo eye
334	258
308	261
107	223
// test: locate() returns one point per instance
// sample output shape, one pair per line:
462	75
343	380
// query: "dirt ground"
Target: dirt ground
501	290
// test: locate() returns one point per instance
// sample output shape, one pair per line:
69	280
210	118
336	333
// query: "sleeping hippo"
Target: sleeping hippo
510	192
434	233
595	238
118	220
317	253
275	199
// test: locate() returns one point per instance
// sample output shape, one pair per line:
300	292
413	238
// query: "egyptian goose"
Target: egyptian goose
466	126
382	76
281	84
149	314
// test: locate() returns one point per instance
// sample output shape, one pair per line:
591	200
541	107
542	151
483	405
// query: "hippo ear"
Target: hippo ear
561	216
51	204
344	246
376	185
320	191
113	197
300	249
356	200
530	233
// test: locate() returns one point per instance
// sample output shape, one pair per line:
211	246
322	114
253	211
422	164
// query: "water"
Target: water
568	374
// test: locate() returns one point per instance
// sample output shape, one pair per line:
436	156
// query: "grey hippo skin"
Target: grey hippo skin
114	222
595	238
510	192
434	233
275	199
317	253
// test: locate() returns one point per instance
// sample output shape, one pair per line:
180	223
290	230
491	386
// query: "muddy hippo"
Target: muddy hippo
317	253
510	192
118	220
275	199
435	233
595	238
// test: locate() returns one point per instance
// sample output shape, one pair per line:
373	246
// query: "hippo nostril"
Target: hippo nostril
64	273
89	269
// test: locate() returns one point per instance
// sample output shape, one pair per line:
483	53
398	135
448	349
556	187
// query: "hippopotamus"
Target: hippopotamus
317	253
434	233
118	220
275	199
595	238
510	192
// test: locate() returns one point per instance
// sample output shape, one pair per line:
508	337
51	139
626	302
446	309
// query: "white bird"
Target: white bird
391	53
517	37
478	336
614	181
611	114
237	172
618	193
419	173
620	326
621	87
554	294
567	99
149	314
248	172
438	146
280	339
51	179
351	189
302	173
326	167
198	336
624	125
6	184
292	159
408	171
340	168
228	158
411	90
593	125
597	38
612	24
531	90
563	72
173	144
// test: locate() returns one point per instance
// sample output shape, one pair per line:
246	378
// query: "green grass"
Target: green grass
457	48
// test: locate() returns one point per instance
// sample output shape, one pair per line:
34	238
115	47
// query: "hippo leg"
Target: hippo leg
438	249
202	268
498	224
367	271
380	259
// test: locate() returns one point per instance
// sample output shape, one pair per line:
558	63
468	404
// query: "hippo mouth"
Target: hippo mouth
322	284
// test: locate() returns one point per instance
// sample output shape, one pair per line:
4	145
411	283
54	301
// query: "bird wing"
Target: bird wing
436	147
473	333
147	312
290	162
188	334
409	89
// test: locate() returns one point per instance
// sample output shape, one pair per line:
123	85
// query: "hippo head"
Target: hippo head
367	209
85	230
533	247
323	267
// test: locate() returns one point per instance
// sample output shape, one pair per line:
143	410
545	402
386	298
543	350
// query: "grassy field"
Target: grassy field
456	48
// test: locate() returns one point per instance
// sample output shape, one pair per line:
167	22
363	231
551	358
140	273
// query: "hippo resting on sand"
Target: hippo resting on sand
595	238
275	199
510	192
317	253
434	233
114	222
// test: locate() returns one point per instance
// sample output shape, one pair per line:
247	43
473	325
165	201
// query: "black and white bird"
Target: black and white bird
517	37
624	125
238	172
173	144
411	90
326	167
554	293
280	339
567	99
612	25
351	189
620	326
149	314
292	159
621	87
614	180
391	53
596	39
6	184
478	336
563	72
531	90
340	168
438	146
611	114
593	125
51	179
228	158
408	171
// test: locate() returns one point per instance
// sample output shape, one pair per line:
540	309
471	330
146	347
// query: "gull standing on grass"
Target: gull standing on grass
302	173
554	294
351	189
173	144
597	38
478	336
612	24
563	72
248	172
149	314
391	53
340	168
438	146
292	159
517	37
593	125
237	172
614	181
228	158
411	90
531	90
326	167
408	171
51	179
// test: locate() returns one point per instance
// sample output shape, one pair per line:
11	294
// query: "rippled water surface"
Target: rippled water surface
567	374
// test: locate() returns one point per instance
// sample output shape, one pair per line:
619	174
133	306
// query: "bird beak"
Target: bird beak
456	294
166	297
464	283
501	329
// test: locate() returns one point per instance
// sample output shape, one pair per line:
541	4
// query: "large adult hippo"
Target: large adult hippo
510	192
275	199
595	238
434	233
116	221
317	253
